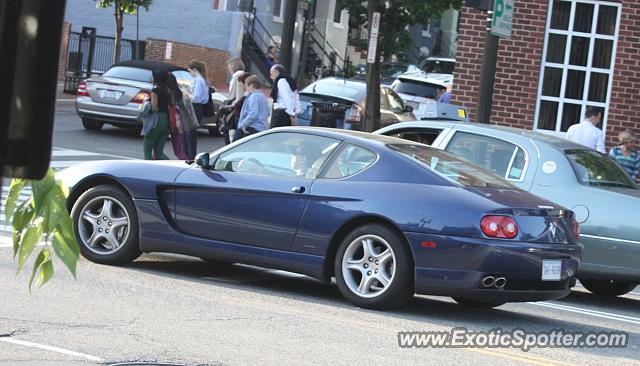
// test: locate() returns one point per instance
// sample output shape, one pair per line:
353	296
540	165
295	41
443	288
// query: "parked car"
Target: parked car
309	200
604	198
437	65
351	95
117	96
417	90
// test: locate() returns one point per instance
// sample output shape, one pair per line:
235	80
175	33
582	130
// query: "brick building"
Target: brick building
563	56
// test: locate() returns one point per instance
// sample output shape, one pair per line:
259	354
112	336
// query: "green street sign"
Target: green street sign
502	18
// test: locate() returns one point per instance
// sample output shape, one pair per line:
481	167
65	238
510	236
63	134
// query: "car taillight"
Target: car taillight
141	97
353	116
499	227
576	229
82	89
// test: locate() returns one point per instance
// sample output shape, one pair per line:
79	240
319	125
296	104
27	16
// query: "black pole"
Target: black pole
372	104
288	30
488	74
138	33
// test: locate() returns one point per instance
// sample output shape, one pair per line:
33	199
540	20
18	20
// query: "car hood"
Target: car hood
139	177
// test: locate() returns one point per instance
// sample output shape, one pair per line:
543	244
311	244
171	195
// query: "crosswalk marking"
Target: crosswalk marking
58	162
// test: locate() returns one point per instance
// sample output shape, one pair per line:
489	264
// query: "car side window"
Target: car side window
384	104
350	160
502	158
421	135
395	102
283	154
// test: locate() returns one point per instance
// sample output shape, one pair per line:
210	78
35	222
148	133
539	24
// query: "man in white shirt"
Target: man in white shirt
586	133
285	98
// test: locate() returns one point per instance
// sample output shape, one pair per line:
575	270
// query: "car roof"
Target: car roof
359	137
352	90
553	141
149	65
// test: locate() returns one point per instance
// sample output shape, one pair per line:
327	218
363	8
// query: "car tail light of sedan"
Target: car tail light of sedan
503	227
353	116
141	97
576	229
82	89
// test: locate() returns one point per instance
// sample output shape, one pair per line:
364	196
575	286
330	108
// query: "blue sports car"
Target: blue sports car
386	217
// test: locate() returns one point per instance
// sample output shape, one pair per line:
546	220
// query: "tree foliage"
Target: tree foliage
395	17
122	7
43	218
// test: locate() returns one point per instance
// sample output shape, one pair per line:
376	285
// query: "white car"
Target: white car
418	91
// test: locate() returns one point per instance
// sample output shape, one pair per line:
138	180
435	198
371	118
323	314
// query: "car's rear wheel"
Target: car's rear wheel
106	225
470	303
91	124
374	268
608	287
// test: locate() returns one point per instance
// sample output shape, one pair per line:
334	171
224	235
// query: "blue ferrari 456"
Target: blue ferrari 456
386	217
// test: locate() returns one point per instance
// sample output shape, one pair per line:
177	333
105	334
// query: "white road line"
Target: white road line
70	152
66	163
52	349
89	153
6	242
595	313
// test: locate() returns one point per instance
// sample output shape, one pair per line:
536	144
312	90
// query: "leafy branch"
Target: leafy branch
41	218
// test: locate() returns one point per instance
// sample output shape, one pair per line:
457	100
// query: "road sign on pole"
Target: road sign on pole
373	38
502	18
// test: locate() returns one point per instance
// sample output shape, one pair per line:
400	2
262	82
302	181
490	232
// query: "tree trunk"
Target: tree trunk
119	27
372	104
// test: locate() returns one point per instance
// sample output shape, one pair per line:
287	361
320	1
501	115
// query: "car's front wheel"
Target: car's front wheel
608	287
374	268
91	124
106	225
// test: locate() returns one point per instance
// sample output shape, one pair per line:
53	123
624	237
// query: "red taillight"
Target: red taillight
353	116
82	89
576	230
141	97
499	227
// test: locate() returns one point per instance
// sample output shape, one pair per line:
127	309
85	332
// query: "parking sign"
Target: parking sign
502	18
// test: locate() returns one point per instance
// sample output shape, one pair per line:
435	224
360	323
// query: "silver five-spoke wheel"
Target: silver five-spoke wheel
368	266
104	225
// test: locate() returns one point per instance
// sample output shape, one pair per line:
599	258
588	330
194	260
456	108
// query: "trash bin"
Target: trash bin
328	114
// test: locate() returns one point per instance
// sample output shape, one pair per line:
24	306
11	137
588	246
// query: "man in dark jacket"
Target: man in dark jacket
285	98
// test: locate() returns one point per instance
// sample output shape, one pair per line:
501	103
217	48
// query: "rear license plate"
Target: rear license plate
110	94
551	269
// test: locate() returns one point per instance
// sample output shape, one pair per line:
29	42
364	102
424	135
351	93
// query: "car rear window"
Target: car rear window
340	91
594	169
449	167
129	73
416	88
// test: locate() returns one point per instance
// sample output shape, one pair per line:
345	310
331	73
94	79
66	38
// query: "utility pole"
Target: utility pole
488	73
288	30
372	103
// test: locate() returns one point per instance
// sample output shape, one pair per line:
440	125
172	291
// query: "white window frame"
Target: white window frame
592	36
280	18
341	24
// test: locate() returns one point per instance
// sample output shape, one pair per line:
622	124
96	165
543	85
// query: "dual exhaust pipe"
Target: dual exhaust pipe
491	281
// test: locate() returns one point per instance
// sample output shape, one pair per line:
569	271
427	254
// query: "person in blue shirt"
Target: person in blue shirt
444	96
625	154
255	110
199	99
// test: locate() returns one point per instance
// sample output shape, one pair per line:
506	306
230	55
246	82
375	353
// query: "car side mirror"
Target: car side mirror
202	160
408	109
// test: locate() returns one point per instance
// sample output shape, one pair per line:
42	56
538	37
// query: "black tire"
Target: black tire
608	287
400	288
477	304
87	204
91	125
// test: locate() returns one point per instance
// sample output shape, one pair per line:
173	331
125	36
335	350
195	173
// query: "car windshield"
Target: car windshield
129	73
416	88
594	169
449	167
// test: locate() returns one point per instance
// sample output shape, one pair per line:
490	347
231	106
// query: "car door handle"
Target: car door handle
297	189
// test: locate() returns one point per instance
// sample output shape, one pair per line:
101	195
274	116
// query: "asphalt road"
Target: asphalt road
179	309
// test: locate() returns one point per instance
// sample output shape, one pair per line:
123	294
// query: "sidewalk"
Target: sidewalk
62	98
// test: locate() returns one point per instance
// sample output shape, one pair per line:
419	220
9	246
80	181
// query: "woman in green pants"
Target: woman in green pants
154	141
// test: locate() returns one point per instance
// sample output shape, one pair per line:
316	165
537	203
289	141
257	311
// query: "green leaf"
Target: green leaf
42	257
53	209
41	189
29	241
65	251
12	198
65	228
23	216
17	236
46	273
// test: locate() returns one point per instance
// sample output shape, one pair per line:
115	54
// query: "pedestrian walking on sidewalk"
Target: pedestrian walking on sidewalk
626	155
285	98
184	118
199	99
586	133
153	143
235	66
255	110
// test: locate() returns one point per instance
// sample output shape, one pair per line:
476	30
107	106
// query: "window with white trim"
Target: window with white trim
278	10
577	63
